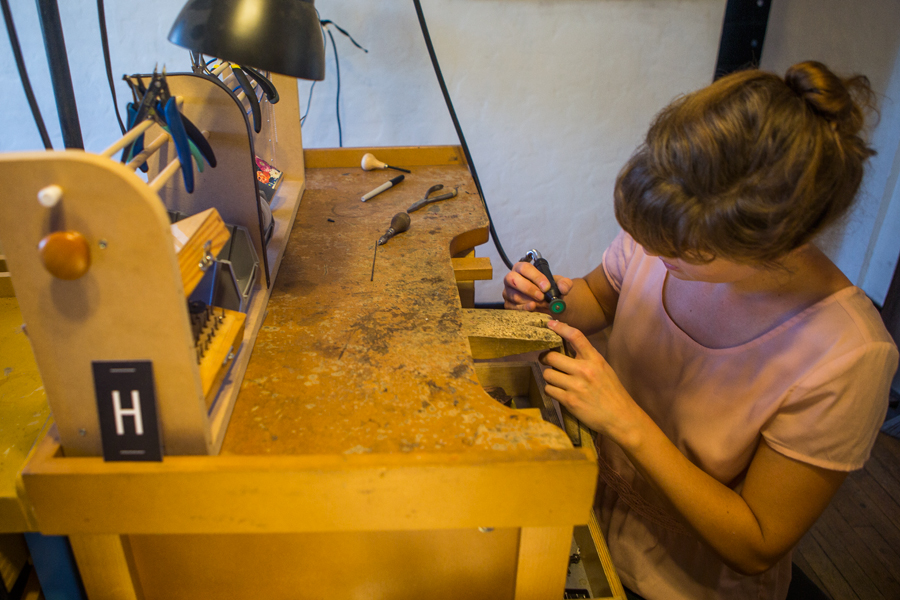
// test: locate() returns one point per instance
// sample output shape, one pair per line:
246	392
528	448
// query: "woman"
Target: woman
745	375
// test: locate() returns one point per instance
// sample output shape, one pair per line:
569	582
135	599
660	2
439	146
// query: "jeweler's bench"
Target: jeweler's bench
359	454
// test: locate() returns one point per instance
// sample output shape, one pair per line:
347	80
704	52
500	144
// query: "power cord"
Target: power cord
308	103
23	74
324	24
104	40
459	132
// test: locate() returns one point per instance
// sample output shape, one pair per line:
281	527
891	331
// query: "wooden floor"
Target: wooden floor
853	550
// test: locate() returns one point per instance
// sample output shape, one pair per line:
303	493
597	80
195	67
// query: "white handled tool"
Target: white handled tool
369	162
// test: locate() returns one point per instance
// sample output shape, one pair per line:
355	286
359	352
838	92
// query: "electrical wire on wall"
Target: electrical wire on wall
23	74
104	41
325	23
459	132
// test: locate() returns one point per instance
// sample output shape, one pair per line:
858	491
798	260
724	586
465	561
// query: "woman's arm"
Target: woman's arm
750	531
590	301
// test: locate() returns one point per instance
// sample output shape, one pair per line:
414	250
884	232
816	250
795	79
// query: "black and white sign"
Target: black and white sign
126	403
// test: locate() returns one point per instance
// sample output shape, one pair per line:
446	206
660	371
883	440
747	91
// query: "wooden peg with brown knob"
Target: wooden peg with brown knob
65	254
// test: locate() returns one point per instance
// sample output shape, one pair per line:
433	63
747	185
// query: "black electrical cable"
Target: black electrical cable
104	40
308	103
324	23
342	30
23	75
337	99
459	132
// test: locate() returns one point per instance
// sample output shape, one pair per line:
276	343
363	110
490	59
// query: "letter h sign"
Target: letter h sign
126	405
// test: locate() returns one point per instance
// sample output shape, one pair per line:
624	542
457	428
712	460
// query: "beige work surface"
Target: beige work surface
347	362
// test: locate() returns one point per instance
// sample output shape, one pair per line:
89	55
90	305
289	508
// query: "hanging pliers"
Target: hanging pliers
264	82
157	102
251	96
429	200
140	109
189	140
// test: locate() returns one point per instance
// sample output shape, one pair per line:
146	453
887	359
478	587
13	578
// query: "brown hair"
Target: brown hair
748	168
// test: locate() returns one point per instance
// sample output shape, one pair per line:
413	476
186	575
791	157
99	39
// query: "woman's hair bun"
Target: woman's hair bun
840	101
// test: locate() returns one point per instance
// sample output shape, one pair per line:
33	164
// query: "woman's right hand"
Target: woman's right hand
524	287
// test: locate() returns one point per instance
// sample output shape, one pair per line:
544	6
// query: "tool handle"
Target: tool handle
137	146
400	222
552	296
264	82
196	136
180	138
251	96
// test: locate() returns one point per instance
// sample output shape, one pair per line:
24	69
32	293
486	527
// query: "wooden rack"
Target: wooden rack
131	303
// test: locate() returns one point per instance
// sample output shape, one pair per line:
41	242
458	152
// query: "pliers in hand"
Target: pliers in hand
427	200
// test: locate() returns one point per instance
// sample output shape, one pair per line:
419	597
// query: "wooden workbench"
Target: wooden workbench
363	458
351	363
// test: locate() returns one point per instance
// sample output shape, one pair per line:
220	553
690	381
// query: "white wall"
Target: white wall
553	96
854	37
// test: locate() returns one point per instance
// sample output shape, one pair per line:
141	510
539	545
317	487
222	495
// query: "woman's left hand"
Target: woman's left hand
590	389
750	530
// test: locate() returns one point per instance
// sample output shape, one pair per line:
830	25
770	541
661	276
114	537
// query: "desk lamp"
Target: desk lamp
282	36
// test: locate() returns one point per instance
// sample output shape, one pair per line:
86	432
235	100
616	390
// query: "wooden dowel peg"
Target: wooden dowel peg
133	133
217	70
164	175
149	150
129	137
50	196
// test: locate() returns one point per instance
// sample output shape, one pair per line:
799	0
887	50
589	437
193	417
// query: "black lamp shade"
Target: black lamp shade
282	36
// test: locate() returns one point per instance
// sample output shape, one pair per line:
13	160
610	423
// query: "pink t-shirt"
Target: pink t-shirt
815	388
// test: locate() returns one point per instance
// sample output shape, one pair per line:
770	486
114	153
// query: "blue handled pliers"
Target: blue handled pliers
157	102
140	110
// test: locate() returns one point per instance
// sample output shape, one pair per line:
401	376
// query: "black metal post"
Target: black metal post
743	34
55	45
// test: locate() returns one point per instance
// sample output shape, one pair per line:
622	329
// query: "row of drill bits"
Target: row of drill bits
204	325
